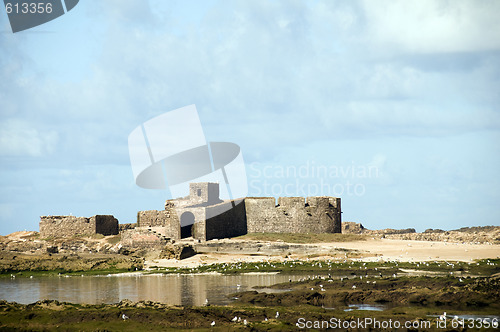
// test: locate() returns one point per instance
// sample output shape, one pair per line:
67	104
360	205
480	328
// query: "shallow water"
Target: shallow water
369	307
175	289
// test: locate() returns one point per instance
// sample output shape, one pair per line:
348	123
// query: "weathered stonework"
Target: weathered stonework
293	215
204	216
142	237
68	226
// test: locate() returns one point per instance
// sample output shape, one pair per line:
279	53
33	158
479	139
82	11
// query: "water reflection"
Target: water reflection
369	307
171	289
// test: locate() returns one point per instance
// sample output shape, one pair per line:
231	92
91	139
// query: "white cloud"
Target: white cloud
20	138
431	26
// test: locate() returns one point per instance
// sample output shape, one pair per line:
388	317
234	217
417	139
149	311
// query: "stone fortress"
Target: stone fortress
203	216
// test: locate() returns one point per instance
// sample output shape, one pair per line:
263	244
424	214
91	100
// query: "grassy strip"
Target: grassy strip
485	267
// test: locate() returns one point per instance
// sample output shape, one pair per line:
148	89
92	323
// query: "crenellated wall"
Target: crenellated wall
293	215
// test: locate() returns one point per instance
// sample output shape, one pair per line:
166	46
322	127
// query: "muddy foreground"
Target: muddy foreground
398	297
402	281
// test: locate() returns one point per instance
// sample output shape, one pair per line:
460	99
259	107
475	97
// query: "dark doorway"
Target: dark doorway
187	218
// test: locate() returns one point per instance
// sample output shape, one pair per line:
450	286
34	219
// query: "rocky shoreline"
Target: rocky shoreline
475	235
26	251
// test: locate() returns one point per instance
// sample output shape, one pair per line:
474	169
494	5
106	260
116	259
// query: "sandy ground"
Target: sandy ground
405	250
371	250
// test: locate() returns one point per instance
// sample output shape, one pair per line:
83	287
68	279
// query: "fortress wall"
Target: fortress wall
260	211
66	226
226	224
106	225
293	215
336	203
323	214
172	228
167	220
152	218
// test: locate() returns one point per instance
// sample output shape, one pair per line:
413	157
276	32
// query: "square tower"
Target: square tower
204	193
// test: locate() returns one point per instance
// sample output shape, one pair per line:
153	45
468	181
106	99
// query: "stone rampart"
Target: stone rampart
293	215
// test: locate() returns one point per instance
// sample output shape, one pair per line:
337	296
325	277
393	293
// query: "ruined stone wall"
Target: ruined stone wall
337	213
142	238
167	222
226	224
106	225
66	226
293	215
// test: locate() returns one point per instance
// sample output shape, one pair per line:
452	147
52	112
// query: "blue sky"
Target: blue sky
408	90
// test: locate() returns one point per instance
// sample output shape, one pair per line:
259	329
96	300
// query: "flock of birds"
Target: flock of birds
266	264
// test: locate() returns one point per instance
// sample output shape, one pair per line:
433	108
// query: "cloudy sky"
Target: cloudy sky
392	106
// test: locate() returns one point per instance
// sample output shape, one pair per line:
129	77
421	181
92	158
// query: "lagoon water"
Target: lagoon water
175	289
